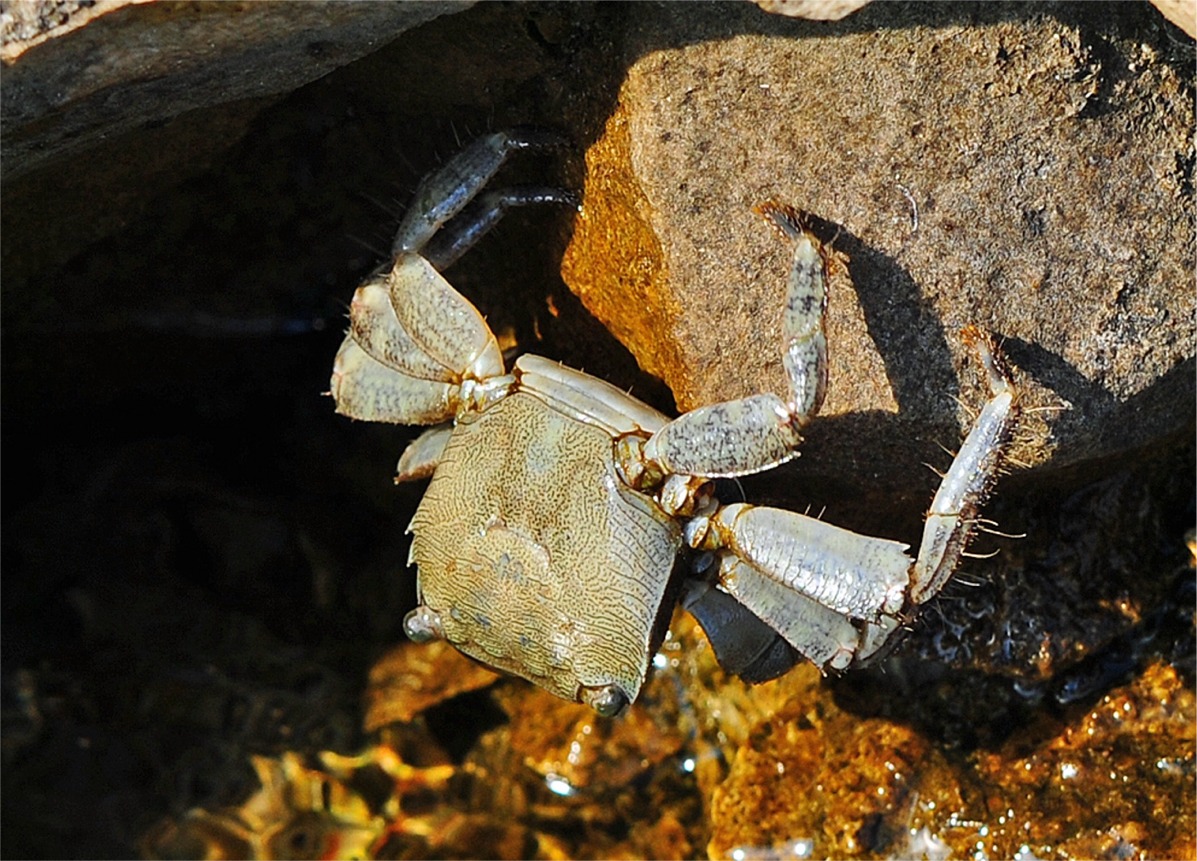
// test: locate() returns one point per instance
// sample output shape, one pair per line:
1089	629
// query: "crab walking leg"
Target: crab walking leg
725	440
804	322
420	458
417	351
743	643
762	431
953	512
443	194
443	250
856	576
834	596
365	388
824	637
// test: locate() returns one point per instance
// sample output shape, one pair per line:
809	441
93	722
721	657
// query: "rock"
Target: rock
407	680
1039	185
1097	783
821	784
121	100
1068	608
1180	13
97	71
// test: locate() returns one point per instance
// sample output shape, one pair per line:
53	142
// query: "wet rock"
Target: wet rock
568	745
1069	607
829	786
1113	780
568	781
408	680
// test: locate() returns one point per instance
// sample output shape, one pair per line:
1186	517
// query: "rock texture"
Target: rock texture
853	787
1028	174
815	10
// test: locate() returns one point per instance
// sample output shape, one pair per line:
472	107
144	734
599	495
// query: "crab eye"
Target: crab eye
423	625
607	700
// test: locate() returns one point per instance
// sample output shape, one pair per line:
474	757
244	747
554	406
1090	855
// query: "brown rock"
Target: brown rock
121	100
1111	780
82	73
813	775
1031	175
409	679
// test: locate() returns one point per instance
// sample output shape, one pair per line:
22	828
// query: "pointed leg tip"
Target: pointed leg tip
786	219
983	343
976	337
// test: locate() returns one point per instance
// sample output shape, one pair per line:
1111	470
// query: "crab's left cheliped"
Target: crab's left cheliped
545	541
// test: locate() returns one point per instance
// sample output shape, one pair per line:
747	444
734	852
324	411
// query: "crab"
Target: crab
546	541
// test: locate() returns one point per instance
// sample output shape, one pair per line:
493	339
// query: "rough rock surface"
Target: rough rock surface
1031	174
1180	13
815	10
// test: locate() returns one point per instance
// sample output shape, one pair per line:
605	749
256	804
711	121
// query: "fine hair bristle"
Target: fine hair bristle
786	219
